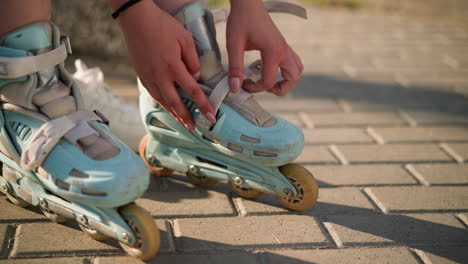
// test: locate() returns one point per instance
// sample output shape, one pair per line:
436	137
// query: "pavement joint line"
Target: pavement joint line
375	136
349	70
332	238
239	206
463	219
450	61
407	118
170	235
344	105
13	241
305	119
420	256
176	228
415	174
263	257
337	153
452	153
333	234
372	198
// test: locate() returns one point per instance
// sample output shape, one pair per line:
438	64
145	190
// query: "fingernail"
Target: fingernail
197	76
210	116
234	84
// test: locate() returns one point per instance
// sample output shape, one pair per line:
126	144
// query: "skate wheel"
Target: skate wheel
54	217
201	181
145	229
247	193
156	171
305	184
17	201
93	233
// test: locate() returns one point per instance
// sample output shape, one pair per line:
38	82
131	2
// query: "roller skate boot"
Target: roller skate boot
61	157
248	147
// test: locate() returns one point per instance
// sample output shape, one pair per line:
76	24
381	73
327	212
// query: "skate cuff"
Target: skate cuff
13	68
72	127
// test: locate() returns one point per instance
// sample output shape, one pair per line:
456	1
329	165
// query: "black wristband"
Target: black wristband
123	7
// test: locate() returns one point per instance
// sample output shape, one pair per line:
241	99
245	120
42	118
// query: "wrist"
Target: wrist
235	4
142	4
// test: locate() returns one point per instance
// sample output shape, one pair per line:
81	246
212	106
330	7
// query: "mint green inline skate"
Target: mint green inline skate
58	156
248	147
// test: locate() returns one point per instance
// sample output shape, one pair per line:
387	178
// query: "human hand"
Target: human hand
250	27
163	55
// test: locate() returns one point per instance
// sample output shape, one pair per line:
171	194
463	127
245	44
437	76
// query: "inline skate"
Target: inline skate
248	147
57	155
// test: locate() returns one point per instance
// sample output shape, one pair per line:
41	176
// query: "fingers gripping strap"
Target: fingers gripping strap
216	98
13	68
50	134
222	90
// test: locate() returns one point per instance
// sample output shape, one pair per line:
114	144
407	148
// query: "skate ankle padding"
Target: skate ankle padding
200	24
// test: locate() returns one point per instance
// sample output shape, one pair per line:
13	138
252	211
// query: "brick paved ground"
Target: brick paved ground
384	107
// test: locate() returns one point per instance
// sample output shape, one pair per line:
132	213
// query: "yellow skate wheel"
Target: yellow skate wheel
145	230
201	181
305	184
247	193
93	233
17	201
156	171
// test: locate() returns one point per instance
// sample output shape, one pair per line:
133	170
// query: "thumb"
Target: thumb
236	64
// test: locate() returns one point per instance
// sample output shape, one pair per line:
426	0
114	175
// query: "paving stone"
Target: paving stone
331	175
13	213
213	258
229	233
331	201
356	119
44	260
434	174
419	198
464	218
183	204
293	118
351	255
56	240
461	150
295	105
414	229
437	118
316	154
50	239
4	233
416	134
336	135
393	153
444	255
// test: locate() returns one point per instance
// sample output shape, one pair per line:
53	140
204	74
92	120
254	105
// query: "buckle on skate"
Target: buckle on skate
103	118
66	40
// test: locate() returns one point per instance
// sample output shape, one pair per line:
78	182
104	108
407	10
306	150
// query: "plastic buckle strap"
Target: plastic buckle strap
50	134
12	68
216	98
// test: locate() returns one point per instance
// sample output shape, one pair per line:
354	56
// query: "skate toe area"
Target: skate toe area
103	183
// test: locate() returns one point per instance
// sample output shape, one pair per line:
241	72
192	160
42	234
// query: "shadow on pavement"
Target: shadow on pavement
435	99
